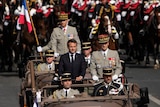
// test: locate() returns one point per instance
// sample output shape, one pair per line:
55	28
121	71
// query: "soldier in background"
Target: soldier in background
60	36
67	91
49	62
107	10
104	58
86	51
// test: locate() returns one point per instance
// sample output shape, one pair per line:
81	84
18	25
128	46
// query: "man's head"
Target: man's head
103	40
72	45
107	75
63	19
86	48
66	80
49	54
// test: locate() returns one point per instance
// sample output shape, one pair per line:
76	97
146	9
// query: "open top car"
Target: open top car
37	89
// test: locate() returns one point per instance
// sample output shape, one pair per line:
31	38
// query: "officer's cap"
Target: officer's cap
103	38
86	45
107	71
62	16
66	76
49	53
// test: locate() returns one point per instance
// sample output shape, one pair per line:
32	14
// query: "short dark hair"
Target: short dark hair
71	41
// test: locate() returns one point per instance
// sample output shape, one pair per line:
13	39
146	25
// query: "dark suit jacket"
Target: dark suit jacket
79	65
101	90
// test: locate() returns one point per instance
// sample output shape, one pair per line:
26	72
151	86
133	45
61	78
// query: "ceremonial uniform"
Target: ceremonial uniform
49	64
107	9
86	50
99	61
60	37
105	58
103	89
60	94
107	86
46	67
66	92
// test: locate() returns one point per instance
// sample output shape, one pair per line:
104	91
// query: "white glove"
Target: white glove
95	78
113	91
55	78
56	54
39	48
114	77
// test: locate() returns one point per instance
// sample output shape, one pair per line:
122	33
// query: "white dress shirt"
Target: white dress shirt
104	53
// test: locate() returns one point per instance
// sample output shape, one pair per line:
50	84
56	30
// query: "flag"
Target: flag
24	16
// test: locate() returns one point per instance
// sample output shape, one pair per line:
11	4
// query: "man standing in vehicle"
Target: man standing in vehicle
60	36
73	62
104	58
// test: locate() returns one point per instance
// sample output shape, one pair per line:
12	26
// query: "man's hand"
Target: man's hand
39	48
79	78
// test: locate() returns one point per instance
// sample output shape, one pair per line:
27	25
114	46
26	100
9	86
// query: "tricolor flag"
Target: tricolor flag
24	16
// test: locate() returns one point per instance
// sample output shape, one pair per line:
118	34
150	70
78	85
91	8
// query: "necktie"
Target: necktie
64	29
72	60
104	56
66	93
49	67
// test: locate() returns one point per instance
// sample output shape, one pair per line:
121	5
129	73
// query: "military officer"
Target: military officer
107	86
104	58
49	63
67	91
86	51
60	36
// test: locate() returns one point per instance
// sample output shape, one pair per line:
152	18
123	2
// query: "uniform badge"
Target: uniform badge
70	36
100	92
112	62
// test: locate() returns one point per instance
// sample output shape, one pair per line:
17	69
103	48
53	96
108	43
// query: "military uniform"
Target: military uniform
98	62
60	94
107	87
103	89
60	37
87	46
45	66
104	59
65	92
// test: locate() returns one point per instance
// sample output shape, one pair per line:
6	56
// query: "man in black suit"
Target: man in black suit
107	87
73	62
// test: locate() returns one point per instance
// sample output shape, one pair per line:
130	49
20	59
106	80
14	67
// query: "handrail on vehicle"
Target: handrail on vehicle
95	98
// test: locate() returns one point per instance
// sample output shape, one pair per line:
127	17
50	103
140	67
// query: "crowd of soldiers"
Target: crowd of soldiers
83	20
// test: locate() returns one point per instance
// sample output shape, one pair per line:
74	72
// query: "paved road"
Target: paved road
144	76
9	88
